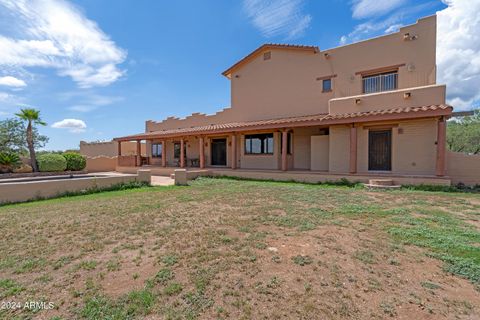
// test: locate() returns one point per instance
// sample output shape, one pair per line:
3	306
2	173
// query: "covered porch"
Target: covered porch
407	142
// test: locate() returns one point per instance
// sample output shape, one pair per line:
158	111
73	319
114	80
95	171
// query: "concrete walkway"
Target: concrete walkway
162	181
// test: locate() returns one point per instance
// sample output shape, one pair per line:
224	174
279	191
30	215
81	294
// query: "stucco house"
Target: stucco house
367	109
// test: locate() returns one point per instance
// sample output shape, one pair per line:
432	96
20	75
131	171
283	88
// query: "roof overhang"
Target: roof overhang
302	121
268	46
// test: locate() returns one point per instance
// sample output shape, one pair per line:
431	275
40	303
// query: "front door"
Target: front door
219	152
380	150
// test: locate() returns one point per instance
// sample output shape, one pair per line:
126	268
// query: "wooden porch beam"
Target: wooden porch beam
353	149
119	150
182	153
164	154
202	152
284	149
441	143
234	151
139	153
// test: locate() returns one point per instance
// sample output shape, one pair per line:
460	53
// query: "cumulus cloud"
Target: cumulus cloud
278	17
10	81
73	125
458	52
370	8
55	34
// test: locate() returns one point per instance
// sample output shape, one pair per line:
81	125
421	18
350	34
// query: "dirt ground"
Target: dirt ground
226	249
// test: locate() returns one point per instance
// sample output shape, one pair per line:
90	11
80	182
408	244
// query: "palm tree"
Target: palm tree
32	116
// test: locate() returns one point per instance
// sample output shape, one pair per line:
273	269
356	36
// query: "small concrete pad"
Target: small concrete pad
162	181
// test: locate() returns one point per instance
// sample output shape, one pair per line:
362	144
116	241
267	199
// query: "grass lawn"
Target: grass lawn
221	249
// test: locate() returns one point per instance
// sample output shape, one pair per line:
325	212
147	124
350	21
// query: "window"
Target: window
327	85
289	143
157	150
259	143
380	82
267	55
176	150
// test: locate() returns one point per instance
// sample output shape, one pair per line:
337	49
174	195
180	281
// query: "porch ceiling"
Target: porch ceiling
302	121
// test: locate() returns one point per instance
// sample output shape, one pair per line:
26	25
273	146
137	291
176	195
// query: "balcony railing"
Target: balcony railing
381	82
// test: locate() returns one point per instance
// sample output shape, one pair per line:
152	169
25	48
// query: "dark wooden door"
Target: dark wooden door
380	150
219	152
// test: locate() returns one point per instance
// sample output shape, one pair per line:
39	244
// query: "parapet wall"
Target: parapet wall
193	120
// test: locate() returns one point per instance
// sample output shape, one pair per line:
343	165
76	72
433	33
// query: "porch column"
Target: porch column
441	141
202	152
353	149
139	153
164	154
182	153
234	151
284	149
119	150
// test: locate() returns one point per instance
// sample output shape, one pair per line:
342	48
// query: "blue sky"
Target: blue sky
99	69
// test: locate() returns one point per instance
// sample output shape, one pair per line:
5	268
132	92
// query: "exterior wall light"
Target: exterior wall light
358	101
407	95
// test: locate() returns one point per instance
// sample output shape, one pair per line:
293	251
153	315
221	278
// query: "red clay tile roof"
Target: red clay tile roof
268	46
310	120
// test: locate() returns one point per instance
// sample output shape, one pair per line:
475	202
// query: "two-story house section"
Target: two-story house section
366	109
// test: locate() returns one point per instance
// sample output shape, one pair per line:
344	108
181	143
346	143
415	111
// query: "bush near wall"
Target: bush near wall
75	161
8	162
51	162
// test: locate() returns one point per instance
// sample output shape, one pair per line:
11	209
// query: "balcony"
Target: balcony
408	97
380	82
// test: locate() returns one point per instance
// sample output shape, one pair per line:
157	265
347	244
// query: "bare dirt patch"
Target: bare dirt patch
235	249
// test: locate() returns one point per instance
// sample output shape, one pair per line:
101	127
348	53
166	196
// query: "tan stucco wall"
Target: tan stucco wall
319	152
23	191
287	85
109	149
315	177
463	168
101	164
301	147
261	161
420	96
413	151
339	149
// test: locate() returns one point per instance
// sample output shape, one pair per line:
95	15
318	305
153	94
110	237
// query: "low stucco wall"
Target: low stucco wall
109	148
30	190
101	164
463	168
314	177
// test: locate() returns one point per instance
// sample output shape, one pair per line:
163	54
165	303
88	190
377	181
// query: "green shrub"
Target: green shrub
75	161
8	161
51	162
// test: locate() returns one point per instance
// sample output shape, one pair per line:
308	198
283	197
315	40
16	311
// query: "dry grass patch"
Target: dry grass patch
225	249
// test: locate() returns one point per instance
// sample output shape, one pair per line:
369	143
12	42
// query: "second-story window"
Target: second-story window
327	85
380	82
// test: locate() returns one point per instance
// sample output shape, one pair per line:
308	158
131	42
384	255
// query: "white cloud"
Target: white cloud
372	8
73	125
380	25
4	96
458	52
55	34
393	28
278	17
10	81
87	101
